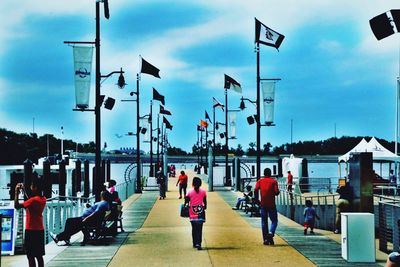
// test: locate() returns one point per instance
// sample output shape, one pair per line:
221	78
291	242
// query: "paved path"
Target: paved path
320	249
229	240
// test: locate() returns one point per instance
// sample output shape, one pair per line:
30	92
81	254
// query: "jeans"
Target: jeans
239	201
182	187
273	216
72	226
197	232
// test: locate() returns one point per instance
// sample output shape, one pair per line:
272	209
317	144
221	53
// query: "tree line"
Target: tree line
15	148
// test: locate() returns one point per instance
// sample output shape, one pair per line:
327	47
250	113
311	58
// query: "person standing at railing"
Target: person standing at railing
289	184
268	187
344	203
34	228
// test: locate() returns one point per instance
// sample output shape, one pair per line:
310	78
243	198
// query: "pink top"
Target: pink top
111	189
196	204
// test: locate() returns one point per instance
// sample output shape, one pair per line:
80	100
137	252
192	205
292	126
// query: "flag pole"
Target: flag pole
158	139
97	174
198	150
151	138
227	173
201	148
258	134
138	169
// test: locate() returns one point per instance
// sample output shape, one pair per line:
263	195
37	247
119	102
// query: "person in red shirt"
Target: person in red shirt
34	229
268	188
289	184
182	181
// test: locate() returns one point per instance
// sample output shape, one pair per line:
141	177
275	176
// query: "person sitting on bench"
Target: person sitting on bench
246	197
89	216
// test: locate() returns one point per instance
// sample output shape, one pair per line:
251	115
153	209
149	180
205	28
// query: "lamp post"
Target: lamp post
151	138
383	26
227	170
98	180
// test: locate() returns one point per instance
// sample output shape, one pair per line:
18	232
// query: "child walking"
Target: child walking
197	200
309	217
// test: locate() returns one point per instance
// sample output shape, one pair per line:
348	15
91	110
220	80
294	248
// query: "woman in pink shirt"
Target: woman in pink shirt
197	200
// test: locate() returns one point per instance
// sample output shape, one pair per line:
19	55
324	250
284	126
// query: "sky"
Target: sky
336	77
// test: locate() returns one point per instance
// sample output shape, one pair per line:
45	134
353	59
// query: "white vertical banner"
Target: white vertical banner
232	124
268	90
83	56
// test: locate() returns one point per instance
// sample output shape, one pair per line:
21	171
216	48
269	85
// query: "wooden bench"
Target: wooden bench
105	226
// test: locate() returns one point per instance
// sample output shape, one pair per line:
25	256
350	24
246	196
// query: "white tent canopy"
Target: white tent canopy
379	152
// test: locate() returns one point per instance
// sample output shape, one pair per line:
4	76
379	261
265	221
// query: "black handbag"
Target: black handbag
184	211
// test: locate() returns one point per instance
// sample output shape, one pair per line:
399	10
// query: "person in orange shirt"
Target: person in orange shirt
34	228
289	184
268	188
182	181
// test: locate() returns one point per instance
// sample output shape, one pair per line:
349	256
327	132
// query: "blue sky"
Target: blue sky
333	70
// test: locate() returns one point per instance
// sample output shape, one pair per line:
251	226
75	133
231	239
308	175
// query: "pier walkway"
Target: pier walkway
155	235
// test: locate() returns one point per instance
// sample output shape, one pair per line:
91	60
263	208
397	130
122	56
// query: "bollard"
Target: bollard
86	185
62	178
238	183
28	166
78	177
47	182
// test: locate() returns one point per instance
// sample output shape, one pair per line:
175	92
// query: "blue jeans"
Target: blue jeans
273	216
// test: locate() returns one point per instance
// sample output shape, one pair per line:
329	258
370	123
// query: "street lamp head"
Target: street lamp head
143	130
109	103
250	120
242	105
121	80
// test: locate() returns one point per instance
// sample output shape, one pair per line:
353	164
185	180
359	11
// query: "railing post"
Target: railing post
62	178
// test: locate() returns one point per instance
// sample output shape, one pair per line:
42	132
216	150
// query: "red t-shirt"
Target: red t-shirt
34	212
269	189
290	179
183	179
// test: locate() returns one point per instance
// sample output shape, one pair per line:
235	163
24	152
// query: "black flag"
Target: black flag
164	111
267	36
158	96
167	124
149	69
208	117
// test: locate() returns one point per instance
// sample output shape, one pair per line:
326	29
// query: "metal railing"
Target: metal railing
60	208
389	223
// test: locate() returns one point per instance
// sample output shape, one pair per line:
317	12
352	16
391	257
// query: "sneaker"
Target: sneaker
312	232
270	239
54	237
67	242
234	208
180	197
336	231
305	232
266	243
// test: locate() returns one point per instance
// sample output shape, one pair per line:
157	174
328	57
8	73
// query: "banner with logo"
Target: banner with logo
232	124
268	90
83	56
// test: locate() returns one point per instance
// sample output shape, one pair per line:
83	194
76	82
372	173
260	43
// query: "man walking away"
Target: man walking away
269	189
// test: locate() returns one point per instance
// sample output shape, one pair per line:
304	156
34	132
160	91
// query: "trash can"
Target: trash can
358	237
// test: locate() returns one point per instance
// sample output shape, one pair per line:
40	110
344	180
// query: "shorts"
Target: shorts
34	243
